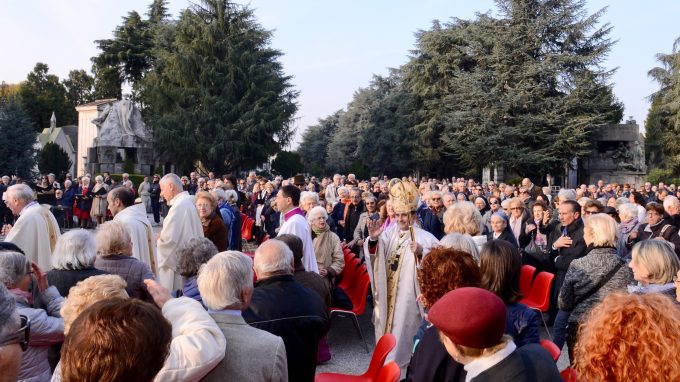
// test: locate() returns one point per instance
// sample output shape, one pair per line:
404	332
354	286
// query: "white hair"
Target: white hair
273	256
309	195
223	278
430	194
112	237
127	183
220	194
670	201
21	192
566	194
98	178
85	179
9	317
460	242
315	212
74	250
125	174
67	183
13	267
628	211
232	195
342	190
172	179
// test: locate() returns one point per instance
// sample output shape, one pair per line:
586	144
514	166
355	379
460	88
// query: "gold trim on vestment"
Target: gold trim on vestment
392	271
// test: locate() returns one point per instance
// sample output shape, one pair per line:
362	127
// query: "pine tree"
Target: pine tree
41	95
315	141
17	137
53	159
218	94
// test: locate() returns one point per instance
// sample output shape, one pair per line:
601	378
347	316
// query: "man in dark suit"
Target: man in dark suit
479	343
283	307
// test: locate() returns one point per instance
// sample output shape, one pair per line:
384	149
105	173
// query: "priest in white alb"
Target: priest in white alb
121	202
396	254
36	231
180	225
288	201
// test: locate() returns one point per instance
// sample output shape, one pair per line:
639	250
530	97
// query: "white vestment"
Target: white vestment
137	223
407	314
297	225
36	232
181	225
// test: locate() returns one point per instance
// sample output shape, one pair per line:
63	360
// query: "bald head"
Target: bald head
273	258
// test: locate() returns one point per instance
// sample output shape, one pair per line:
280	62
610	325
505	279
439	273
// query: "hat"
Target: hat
299	180
404	196
471	317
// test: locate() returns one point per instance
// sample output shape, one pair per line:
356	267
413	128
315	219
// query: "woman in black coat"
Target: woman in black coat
500	229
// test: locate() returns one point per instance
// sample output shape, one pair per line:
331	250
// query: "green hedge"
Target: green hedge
136	179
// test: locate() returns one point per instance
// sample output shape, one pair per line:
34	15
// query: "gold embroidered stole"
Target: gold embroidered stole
51	229
392	270
152	260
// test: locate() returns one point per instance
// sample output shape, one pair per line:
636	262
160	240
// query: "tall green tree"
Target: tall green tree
315	141
17	137
219	96
79	87
53	159
287	164
663	120
41	94
528	84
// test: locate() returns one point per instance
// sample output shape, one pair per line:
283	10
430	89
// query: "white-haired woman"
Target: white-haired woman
460	242
590	278
628	213
327	247
99	203
190	257
654	264
73	260
308	200
114	251
83	203
47	326
463	217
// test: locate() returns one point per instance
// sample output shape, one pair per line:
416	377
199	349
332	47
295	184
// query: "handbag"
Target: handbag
536	251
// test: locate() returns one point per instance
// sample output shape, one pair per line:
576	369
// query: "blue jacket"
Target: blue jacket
522	324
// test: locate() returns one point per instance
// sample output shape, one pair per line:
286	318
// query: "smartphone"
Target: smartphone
375	216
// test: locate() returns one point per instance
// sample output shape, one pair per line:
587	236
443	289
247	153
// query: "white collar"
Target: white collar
228	312
480	365
29	205
177	197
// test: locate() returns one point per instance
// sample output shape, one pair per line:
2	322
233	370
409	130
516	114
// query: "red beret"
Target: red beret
471	317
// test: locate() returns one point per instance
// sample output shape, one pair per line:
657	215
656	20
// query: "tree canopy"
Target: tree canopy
52	159
17	137
41	95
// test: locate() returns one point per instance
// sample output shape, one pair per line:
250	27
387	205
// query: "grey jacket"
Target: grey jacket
584	274
252	354
133	271
47	329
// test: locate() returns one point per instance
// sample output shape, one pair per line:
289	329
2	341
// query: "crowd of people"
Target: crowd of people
444	258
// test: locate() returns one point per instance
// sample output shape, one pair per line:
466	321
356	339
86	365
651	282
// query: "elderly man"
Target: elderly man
352	213
226	286
434	215
181	225
671	205
13	336
285	308
393	272
122	205
287	201
36	231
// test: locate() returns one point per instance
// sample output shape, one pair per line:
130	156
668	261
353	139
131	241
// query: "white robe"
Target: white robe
36	232
181	225
407	312
135	219
297	225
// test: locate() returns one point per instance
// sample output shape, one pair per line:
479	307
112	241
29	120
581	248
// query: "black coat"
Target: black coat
63	280
352	219
431	362
298	315
664	229
505	235
432	223
529	363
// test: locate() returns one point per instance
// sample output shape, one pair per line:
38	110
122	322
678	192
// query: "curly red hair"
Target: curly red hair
630	337
445	269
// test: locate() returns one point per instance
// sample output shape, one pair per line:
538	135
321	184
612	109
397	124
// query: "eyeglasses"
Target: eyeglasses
523	192
590	212
493	203
21	336
436	199
515	208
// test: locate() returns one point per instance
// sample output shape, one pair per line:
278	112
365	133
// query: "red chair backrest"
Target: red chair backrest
359	290
569	375
540	291
384	346
525	278
551	348
389	373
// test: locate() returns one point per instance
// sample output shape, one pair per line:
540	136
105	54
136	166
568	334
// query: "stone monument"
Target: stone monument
122	139
618	156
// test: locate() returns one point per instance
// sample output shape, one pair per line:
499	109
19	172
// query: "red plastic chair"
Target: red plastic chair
389	373
569	375
385	345
551	348
357	284
525	278
539	296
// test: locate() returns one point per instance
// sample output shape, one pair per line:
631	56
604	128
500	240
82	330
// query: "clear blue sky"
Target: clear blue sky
331	48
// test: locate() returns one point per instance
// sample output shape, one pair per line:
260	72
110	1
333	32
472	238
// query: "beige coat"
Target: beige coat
36	232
